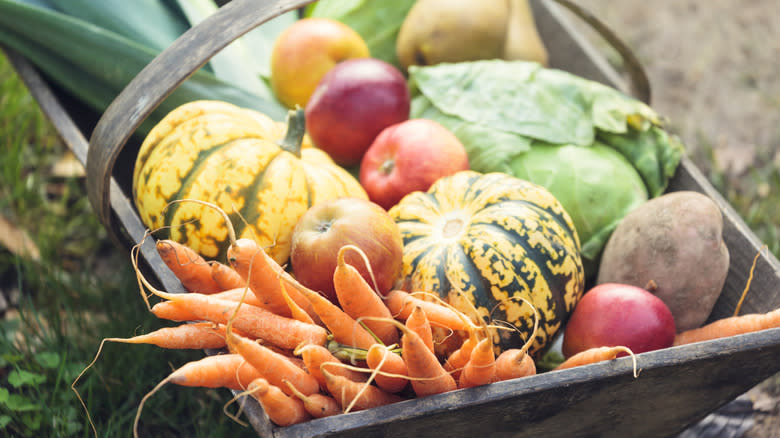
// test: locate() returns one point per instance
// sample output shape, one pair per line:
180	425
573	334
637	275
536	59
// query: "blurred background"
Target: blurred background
713	67
714	71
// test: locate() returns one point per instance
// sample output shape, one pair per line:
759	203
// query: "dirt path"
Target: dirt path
714	67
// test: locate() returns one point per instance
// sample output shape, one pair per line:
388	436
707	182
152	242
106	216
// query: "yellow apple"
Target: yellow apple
305	51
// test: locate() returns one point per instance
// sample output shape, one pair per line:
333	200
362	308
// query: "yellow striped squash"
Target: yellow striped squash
481	241
240	160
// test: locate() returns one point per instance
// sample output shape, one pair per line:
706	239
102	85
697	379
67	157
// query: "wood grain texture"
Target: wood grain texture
675	388
764	293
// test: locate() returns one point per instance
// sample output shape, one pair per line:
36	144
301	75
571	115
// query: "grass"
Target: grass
81	289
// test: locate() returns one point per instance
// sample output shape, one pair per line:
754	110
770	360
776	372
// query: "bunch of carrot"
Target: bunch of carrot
302	356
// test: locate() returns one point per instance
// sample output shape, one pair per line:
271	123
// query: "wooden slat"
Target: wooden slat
675	388
70	134
743	246
573	54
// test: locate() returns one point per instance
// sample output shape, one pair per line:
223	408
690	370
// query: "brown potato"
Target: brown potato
671	245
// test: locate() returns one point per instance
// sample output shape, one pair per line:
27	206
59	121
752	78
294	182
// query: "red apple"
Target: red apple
407	157
305	51
352	104
329	225
613	314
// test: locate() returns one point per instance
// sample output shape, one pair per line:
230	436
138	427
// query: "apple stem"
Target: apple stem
387	166
296	128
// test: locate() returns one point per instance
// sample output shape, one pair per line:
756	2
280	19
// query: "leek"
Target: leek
95	64
148	22
234	63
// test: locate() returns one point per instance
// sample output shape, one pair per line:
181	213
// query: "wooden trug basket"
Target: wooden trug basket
676	387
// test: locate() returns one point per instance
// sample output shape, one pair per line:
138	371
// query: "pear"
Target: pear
436	31
522	39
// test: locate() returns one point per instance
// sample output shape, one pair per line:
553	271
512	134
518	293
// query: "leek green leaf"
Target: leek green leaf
95	64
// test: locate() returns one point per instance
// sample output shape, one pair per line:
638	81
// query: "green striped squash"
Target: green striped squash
240	160
483	242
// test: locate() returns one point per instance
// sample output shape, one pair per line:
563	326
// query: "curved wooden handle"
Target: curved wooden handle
640	84
159	79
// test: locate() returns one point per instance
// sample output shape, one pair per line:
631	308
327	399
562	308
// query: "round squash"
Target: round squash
244	162
481	241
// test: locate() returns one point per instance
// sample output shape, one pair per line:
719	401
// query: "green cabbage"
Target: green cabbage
600	152
582	189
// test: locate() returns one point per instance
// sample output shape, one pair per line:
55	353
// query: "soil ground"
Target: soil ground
713	67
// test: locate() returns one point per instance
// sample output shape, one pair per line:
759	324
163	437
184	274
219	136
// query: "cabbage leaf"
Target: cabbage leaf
599	151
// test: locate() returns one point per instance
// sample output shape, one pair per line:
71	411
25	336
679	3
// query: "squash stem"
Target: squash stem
296	128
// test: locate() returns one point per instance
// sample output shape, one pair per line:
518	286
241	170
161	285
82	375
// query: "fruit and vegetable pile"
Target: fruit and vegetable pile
433	214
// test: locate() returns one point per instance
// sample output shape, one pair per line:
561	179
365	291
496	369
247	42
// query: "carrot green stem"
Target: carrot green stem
346	352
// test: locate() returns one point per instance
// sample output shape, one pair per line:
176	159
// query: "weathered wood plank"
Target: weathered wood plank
675	388
743	246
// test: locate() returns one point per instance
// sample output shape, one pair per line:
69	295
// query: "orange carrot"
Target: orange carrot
185	336
255	322
261	272
458	358
273	366
241	293
192	270
173	311
392	375
177	311
356	396
401	305
345	329
317	357
226	277
426	374
199	335
282	409
358	299
419	323
730	326
218	371
514	363
481	366
594	355
317	405
296	312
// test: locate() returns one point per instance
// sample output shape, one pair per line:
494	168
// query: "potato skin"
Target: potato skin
673	246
